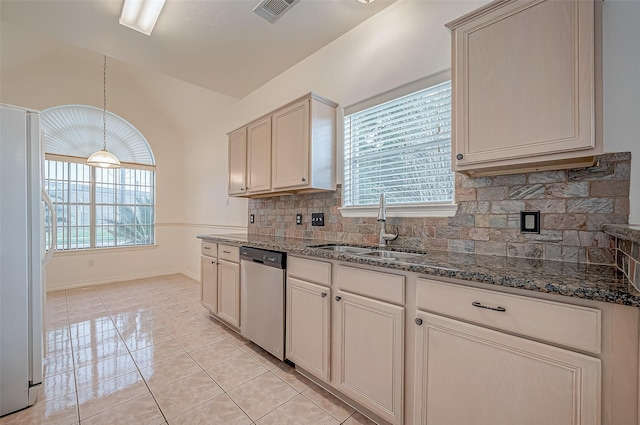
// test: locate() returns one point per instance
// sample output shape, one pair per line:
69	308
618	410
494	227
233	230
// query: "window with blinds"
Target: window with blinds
99	207
401	147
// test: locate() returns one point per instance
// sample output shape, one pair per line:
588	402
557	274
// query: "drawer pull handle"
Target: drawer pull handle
324	294
207	247
477	304
338	298
419	322
227	252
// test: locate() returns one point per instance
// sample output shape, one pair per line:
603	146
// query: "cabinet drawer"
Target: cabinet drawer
309	270
229	253
383	286
210	249
564	324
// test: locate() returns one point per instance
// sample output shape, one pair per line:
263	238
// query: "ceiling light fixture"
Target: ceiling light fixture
103	158
141	15
366	1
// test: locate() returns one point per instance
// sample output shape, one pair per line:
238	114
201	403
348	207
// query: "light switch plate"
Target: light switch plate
529	221
317	219
251	218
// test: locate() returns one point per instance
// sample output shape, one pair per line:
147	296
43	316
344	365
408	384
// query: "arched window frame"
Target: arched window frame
96	207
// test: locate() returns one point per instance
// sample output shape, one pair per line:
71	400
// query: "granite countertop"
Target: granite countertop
625	231
587	281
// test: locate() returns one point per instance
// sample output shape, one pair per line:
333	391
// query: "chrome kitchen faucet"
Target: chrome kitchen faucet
382	218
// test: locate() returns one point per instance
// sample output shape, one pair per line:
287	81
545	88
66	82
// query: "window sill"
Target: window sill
111	250
441	210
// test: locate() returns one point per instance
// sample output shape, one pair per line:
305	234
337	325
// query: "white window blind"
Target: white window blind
402	148
99	207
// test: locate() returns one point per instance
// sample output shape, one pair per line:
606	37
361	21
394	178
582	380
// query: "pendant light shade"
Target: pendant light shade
104	158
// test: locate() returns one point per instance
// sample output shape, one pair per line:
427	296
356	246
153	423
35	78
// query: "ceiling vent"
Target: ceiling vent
272	10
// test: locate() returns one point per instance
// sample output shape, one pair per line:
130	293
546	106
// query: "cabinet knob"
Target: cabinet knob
304	180
242	189
338	298
459	156
418	321
324	294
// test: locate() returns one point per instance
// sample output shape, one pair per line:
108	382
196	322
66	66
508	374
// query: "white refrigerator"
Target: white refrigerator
22	257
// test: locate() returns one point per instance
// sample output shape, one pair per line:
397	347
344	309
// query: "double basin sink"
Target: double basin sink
369	252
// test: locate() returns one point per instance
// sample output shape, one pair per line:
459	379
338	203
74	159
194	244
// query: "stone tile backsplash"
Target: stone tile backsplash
573	205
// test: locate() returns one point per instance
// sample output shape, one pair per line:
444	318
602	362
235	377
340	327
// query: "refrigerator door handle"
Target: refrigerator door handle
54	228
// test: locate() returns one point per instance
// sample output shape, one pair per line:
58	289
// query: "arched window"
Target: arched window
97	207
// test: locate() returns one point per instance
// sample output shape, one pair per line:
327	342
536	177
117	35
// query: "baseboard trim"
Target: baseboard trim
75	285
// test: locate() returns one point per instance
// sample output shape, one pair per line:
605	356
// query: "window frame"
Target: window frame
435	209
93	204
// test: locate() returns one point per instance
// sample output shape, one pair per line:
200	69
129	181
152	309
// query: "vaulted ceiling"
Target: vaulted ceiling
220	45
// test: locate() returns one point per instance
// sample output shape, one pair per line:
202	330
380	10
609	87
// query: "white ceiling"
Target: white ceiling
217	44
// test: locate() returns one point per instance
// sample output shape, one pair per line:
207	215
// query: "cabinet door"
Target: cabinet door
291	146
369	335
524	84
259	156
308	321
209	283
238	162
229	292
469	375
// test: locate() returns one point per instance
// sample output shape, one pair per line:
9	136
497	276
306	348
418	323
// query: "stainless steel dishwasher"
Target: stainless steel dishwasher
262	277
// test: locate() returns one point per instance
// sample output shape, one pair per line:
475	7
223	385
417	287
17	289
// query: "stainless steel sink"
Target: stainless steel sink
391	255
346	249
370	252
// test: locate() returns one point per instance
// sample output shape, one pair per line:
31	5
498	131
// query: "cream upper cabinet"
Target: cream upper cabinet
259	156
308	326
304	145
291	146
238	162
293	149
466	374
526	86
229	292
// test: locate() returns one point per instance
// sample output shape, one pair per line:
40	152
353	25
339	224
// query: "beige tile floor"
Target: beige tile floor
146	352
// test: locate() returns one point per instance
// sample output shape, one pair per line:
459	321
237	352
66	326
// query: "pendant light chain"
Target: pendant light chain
104	104
104	158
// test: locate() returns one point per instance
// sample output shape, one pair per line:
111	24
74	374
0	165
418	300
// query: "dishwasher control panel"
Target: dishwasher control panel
268	258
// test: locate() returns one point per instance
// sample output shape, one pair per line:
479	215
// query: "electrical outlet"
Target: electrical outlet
251	219
317	219
529	221
298	218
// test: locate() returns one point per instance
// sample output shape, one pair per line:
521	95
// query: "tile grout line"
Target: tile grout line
134	362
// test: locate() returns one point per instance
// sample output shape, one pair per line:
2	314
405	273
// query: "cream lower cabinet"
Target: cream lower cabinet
369	338
209	283
229	292
308	326
209	276
469	375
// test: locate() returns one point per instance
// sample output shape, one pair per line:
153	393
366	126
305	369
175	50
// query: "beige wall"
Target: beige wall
181	122
621	91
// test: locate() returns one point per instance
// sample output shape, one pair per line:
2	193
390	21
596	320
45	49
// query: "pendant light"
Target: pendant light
103	158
